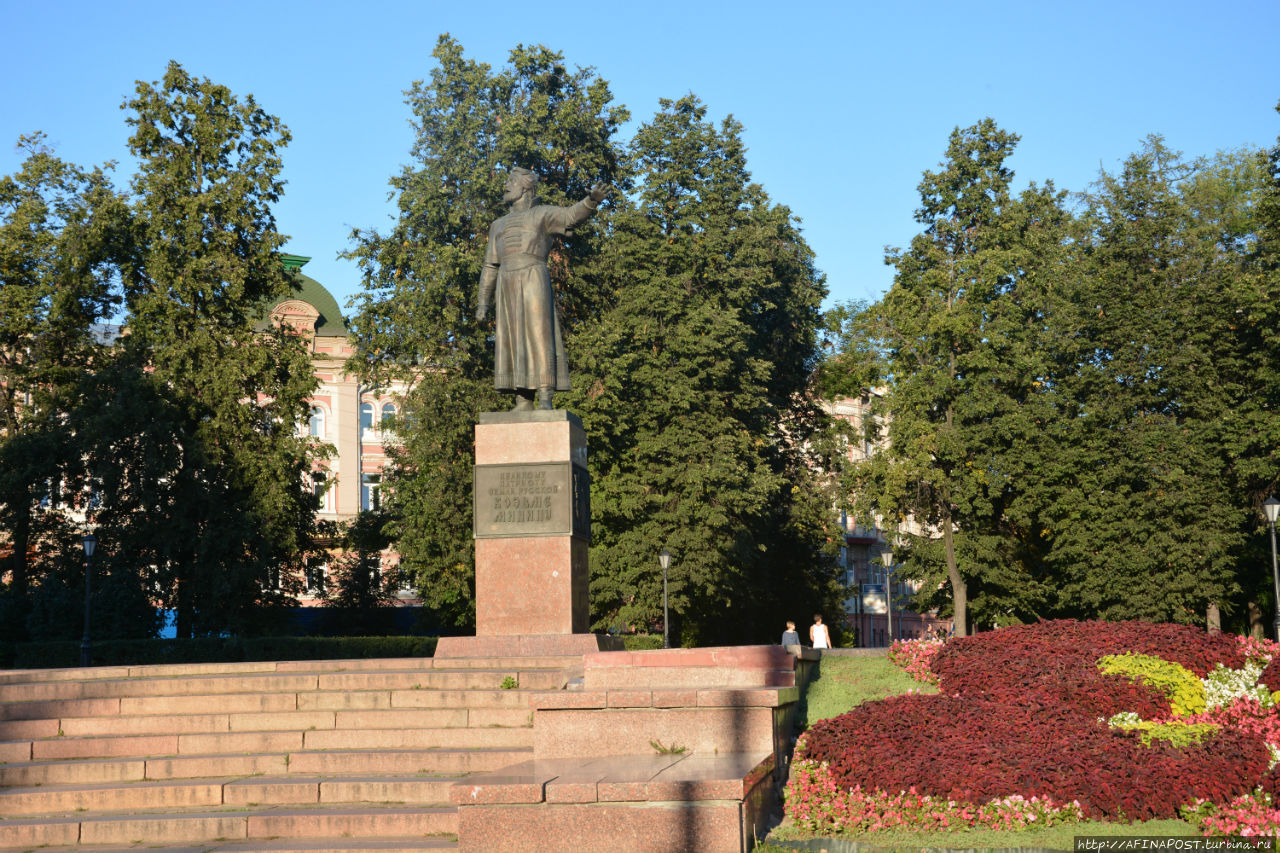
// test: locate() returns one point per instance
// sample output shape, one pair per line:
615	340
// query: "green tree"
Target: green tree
414	318
58	226
1148	518
954	347
356	579
216	501
692	386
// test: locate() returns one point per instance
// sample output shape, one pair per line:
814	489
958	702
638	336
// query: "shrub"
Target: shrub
1271	675
977	750
1174	733
1223	686
1185	692
641	642
816	803
1023	713
916	657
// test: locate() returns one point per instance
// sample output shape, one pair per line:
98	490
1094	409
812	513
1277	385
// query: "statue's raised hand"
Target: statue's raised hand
599	192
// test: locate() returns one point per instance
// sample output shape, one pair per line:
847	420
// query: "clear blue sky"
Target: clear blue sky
844	103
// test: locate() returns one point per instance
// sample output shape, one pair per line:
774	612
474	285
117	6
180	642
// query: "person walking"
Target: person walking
790	637
818	634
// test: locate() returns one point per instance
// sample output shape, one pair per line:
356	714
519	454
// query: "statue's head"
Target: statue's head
519	182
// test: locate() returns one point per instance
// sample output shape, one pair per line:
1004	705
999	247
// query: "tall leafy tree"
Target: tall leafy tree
58	226
954	346
414	318
1148	518
217	500
692	386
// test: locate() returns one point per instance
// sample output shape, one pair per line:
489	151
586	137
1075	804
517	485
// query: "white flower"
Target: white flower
1223	685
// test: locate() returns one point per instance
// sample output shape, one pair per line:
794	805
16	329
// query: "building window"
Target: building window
320	488
273	577
366	419
388	417
317	422
370	485
314	577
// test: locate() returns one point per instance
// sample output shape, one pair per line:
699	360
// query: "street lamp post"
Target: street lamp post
1271	507
90	542
664	559
886	560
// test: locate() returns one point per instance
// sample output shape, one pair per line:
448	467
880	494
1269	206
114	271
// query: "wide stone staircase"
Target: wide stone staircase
329	756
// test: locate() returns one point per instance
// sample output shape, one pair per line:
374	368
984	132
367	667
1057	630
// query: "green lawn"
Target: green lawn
844	682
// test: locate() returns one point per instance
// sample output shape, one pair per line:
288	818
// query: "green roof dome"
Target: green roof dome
306	289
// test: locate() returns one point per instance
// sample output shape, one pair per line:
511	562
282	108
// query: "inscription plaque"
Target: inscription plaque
546	499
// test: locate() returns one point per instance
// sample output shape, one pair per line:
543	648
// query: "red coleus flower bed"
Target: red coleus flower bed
1023	713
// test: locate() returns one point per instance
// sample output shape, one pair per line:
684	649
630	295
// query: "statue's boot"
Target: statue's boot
544	397
524	401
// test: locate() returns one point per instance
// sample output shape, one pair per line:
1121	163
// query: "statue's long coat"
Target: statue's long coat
529	348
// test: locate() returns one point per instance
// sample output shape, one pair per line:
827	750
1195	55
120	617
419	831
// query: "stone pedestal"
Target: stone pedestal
532	527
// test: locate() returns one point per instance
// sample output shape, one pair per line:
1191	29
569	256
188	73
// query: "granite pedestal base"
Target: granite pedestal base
532	529
526	645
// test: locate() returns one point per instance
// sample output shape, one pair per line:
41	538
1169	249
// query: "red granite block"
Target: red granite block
683	698
162	829
386	789
56	709
630	699
22	729
508	717
727	776
271	790
407	718
569	699
723	667
224	703
281	720
25	834
556	645
90	771
18	750
531	585
103	747
517	783
632	731
614	827
154	724
552	441
231	742
208	766
364	700
353	822
137	796
671	677
737	657
460	698
763	697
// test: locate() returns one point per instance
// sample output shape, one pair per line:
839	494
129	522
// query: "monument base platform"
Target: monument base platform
526	645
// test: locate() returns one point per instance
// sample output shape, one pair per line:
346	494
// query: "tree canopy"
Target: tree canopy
690	308
1075	397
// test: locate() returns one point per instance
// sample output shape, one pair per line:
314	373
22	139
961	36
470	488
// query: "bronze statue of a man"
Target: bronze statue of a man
529	352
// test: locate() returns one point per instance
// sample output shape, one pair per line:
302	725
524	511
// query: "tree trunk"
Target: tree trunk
1213	617
959	592
19	562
